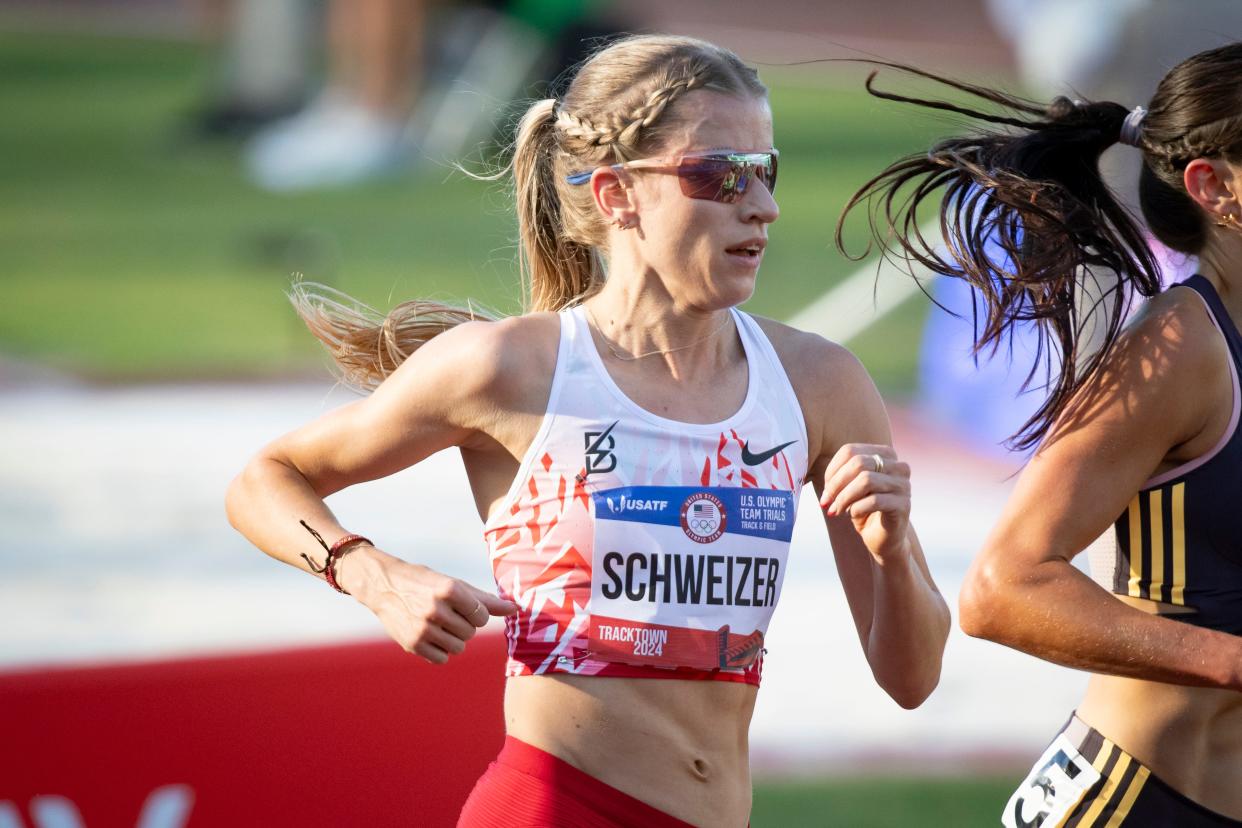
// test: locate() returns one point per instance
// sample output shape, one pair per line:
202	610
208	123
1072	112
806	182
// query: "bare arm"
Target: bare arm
447	393
1156	393
901	618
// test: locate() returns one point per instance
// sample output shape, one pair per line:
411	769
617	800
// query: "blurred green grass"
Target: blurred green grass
882	802
130	251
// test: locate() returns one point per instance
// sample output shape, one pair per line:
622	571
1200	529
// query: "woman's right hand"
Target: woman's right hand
427	613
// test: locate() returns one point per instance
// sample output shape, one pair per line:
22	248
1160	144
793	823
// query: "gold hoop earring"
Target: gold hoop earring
1228	220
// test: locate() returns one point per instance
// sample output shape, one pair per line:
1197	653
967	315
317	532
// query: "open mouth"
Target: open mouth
746	251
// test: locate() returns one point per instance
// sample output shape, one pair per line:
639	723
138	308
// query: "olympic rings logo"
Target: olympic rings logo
703	517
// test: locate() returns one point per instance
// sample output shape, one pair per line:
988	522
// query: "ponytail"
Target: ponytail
557	271
1026	220
365	344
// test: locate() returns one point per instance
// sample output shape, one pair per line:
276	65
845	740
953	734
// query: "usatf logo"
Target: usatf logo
599	446
703	517
625	504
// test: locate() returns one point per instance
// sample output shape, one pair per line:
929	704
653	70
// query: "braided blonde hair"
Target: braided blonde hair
619	106
623	129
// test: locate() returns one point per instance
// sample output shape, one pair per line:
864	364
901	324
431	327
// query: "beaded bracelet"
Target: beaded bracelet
334	552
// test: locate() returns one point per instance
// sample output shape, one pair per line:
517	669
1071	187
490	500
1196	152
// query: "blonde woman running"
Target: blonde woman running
635	446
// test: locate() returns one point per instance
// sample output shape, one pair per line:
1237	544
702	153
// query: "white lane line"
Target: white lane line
865	296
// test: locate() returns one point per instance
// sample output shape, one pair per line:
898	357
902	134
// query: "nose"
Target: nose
758	203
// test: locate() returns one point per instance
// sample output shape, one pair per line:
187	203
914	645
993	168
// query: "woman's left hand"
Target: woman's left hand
867	482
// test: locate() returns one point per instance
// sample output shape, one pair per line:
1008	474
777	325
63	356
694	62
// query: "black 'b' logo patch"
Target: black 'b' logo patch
599	450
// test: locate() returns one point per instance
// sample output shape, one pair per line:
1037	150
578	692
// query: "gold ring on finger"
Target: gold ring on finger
879	463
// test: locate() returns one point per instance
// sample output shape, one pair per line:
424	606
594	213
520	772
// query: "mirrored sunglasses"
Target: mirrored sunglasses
716	176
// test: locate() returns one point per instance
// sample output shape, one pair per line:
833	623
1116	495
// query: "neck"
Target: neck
637	315
1220	262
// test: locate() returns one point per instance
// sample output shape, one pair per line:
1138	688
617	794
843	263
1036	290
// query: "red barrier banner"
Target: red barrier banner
357	734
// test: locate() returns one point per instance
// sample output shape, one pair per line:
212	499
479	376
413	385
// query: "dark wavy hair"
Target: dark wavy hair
1026	218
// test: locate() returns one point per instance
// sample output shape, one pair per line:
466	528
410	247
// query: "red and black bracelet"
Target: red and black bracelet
334	552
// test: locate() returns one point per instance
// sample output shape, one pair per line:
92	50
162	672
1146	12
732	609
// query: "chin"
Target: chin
736	291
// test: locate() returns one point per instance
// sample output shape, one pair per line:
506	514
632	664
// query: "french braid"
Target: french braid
1202	141
624	131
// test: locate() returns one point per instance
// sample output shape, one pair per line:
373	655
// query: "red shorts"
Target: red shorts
530	788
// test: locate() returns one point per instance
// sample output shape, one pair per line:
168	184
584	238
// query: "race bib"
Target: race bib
686	576
1055	785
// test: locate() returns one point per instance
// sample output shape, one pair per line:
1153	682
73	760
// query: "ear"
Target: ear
1213	186
614	198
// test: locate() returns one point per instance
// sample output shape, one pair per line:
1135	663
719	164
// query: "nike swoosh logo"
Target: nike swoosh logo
755	459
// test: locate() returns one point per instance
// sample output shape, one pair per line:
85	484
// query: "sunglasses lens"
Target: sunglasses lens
763	167
716	179
767	173
723	179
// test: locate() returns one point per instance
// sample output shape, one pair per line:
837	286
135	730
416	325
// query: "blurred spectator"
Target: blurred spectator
262	71
1059	43
393	92
982	396
356	127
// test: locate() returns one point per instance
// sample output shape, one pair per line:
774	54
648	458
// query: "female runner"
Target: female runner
635	446
1138	438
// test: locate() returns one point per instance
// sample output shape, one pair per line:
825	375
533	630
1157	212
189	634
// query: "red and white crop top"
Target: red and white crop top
643	547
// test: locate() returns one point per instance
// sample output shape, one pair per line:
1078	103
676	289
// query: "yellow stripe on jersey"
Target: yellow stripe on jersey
1136	547
1178	595
1156	513
1127	801
1109	787
1099	763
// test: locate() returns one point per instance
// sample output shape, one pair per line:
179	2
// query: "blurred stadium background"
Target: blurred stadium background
147	349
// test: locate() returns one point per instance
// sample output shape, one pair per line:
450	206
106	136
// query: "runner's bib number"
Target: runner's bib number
684	576
1055	785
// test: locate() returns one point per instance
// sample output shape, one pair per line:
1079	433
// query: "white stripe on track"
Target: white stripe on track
864	297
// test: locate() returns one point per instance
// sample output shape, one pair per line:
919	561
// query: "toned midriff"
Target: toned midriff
680	746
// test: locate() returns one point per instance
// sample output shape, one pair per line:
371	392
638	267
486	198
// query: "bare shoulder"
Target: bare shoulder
1176	318
839	400
1164	382
810	360
1170	350
504	363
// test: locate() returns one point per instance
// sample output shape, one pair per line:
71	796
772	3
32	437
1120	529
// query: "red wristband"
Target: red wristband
334	552
328	570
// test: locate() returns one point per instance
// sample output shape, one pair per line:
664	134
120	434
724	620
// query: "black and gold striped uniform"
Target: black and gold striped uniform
1180	539
1086	781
